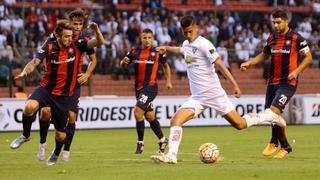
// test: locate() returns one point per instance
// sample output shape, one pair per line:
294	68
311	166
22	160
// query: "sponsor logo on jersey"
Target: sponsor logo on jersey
189	60
144	62
53	61
283	51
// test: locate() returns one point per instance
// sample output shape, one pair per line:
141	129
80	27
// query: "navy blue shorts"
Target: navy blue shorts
145	97
279	96
74	99
58	104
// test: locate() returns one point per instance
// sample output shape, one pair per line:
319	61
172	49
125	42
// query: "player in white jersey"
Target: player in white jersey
201	58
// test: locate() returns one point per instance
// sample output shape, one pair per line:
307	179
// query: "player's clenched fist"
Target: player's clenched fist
244	66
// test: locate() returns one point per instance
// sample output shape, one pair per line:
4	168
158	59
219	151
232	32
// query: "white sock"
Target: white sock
254	118
174	141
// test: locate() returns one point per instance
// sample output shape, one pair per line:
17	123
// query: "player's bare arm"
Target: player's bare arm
167	72
124	62
171	49
83	77
307	60
253	61
29	68
222	68
99	40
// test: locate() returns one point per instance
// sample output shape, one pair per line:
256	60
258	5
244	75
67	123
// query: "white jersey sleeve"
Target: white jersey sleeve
210	51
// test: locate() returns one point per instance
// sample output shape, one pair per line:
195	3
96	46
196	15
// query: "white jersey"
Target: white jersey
200	56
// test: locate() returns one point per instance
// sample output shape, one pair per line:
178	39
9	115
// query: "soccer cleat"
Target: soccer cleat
18	142
278	120
42	152
163	158
163	145
65	155
52	160
139	149
270	149
282	153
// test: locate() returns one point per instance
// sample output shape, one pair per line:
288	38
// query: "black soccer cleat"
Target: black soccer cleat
163	145
139	149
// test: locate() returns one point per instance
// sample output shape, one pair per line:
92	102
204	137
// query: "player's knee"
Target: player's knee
45	114
72	117
60	136
30	108
175	121
138	114
149	116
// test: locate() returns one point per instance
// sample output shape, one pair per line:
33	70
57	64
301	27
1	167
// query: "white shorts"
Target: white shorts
221	104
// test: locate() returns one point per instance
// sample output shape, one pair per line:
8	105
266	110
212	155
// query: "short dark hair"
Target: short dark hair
147	30
62	24
78	13
187	21
280	13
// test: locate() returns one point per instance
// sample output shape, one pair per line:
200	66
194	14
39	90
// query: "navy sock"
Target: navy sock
155	126
58	148
70	133
275	134
283	139
27	122
44	126
140	129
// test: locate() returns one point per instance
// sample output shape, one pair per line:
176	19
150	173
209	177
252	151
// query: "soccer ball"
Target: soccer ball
208	153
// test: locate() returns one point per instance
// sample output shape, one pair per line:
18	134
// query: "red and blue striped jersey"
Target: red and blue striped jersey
146	63
61	66
285	51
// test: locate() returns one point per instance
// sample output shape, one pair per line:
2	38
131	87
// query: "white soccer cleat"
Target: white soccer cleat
279	121
163	158
18	142
65	155
42	152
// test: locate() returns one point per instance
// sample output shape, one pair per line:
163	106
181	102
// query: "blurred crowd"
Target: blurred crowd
237	35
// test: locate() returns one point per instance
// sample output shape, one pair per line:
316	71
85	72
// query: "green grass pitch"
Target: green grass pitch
108	154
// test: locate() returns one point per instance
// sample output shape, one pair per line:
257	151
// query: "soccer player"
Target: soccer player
62	61
285	47
201	58
77	19
146	61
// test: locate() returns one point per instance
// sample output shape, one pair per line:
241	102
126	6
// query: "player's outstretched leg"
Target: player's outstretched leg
267	116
